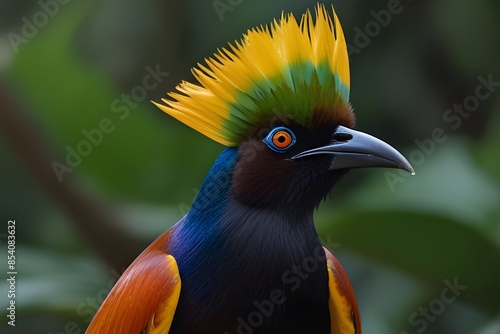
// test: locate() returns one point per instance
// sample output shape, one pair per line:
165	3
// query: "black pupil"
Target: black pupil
281	139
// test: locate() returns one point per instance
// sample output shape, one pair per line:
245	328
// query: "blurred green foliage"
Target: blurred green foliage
399	237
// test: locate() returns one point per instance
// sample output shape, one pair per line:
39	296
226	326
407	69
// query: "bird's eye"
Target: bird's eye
280	139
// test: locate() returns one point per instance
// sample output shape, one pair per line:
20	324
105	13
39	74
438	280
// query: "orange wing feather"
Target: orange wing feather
344	313
145	296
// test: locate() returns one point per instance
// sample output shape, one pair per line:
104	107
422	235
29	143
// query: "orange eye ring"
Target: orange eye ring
282	139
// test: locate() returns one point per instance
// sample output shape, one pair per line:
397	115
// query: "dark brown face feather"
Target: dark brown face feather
266	178
324	117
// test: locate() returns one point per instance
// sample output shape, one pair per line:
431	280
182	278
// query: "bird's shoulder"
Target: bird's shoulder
146	295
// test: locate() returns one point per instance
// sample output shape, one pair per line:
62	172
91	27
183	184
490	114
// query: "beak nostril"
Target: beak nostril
340	137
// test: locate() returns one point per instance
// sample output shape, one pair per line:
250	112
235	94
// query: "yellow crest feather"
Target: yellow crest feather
290	68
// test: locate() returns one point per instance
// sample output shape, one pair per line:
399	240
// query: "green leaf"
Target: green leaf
428	247
447	183
50	281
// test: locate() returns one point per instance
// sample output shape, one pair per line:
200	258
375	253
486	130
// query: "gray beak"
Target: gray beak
354	149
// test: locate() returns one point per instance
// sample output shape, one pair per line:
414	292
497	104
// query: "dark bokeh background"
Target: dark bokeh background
69	69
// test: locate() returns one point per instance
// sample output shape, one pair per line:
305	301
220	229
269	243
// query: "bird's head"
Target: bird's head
281	95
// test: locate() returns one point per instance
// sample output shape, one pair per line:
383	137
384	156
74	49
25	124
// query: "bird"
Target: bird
247	258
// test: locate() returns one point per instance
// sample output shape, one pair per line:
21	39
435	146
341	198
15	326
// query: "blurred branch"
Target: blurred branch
96	222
